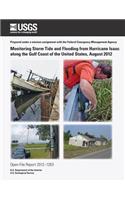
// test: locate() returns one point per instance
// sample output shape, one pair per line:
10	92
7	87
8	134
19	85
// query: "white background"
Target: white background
62	189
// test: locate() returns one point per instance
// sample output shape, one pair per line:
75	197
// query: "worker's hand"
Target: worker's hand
93	105
89	92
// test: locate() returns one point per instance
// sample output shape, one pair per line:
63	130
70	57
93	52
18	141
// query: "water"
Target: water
30	107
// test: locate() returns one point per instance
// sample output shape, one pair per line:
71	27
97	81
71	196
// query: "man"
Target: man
84	72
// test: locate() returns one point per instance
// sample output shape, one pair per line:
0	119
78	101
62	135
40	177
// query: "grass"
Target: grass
71	151
103	112
35	145
14	145
38	153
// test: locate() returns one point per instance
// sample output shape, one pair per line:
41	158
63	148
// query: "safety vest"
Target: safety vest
71	78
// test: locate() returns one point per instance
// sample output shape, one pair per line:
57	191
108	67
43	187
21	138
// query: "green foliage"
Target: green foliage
67	135
103	112
35	145
14	145
38	153
103	137
43	131
38	150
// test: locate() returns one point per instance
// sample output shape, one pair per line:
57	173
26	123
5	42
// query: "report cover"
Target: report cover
62	86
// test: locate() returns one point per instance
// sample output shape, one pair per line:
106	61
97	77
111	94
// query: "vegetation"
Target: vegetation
71	151
35	145
14	145
39	153
67	135
43	132
103	89
103	111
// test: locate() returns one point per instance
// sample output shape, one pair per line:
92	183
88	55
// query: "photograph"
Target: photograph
88	90
34	141
88	141
35	90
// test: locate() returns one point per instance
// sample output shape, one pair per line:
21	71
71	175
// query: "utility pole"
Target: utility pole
54	141
28	134
51	142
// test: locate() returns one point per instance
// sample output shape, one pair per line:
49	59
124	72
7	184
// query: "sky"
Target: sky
96	130
20	133
46	68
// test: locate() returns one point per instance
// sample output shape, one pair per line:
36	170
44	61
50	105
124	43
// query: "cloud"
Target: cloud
23	135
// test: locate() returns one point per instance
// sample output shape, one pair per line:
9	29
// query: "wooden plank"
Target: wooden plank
55	110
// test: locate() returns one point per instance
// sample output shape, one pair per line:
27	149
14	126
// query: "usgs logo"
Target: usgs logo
23	27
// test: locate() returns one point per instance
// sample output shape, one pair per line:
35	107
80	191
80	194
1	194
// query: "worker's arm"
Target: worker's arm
89	92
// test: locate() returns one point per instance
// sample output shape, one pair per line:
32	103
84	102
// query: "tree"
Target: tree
79	133
103	137
67	135
89	135
50	132
43	131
